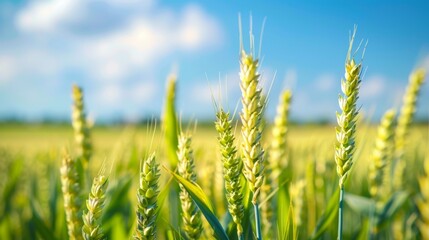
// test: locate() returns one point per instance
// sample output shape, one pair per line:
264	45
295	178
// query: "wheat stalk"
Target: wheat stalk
423	202
405	118
71	191
381	153
91	229
191	215
80	125
275	160
147	196
345	132
407	110
277	153
296	191
251	116
232	167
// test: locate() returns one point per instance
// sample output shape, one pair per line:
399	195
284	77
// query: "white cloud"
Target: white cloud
114	94
146	3
144	41
141	41
372	86
110	94
221	91
290	79
8	69
28	62
47	16
197	30
143	92
114	56
325	82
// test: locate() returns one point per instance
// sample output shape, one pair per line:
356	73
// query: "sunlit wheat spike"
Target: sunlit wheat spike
423	202
71	190
345	132
91	229
381	153
277	151
191	215
275	159
346	129
147	197
252	152
404	121
232	167
80	125
296	191
407	110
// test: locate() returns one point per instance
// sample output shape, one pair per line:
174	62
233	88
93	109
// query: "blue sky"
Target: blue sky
121	52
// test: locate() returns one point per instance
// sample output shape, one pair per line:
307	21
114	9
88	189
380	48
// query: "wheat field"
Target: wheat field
241	176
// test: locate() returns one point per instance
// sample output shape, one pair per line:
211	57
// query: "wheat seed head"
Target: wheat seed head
408	109
251	116
231	168
80	125
381	152
345	132
191	215
71	191
147	196
91	229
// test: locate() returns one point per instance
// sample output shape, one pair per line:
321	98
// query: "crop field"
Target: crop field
239	177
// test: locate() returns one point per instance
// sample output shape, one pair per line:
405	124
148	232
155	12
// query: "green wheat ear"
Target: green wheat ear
71	191
277	153
345	132
92	217
232	167
80	125
346	129
191	214
252	152
296	191
275	160
147	197
404	121
408	109
381	153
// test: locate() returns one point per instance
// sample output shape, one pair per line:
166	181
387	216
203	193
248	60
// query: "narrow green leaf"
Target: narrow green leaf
170	122
392	206
41	228
248	210
361	205
118	232
11	186
203	203
118	197
283	213
162	196
364	231
328	216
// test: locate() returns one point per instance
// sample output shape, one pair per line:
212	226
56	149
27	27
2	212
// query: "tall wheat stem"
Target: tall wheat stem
345	132
251	116
232	167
